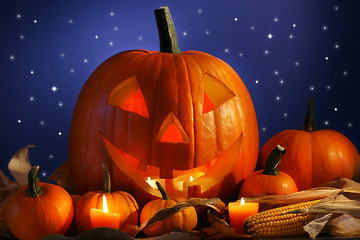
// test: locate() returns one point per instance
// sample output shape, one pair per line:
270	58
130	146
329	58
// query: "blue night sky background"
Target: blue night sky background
285	51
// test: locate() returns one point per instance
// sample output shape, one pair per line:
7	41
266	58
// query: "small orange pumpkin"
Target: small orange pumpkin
314	156
39	209
269	181
185	220
118	202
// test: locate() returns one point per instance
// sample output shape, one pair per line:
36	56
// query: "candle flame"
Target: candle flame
149	179
242	201
105	207
191	178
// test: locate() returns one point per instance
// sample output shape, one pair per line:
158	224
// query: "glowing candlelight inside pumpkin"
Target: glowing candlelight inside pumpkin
238	212
102	218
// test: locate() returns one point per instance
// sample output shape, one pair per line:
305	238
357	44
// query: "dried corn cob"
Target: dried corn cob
274	223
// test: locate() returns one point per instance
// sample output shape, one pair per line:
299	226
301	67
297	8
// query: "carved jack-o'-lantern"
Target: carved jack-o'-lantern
184	119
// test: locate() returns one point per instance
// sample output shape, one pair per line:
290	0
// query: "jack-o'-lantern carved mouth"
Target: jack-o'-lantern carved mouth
206	176
128	97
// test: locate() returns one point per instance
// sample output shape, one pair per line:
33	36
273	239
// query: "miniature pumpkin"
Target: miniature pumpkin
269	181
185	220
118	202
38	209
313	156
167	115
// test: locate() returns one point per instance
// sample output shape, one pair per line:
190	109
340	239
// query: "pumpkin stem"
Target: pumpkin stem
167	33
273	161
162	191
310	124
107	184
33	188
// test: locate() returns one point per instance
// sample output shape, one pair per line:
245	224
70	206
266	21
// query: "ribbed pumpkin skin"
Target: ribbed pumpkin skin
313	158
118	202
185	220
169	83
258	184
31	218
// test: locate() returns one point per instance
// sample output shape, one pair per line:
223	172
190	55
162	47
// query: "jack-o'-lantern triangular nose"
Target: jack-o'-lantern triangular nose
171	131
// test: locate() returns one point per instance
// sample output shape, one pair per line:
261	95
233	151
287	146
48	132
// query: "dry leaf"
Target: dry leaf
168	212
62	176
19	165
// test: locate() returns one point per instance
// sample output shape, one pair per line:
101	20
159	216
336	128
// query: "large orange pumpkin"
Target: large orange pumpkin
313	156
165	116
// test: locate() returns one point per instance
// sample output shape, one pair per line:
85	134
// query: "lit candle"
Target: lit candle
102	218
238	212
194	190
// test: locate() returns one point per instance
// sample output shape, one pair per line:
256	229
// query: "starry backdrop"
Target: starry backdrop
284	51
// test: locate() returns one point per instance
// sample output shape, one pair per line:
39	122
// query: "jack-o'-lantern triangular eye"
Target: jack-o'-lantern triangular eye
128	96
215	93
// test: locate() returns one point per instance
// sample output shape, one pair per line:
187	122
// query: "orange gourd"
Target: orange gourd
118	202
269	181
39	209
164	115
185	220
313	156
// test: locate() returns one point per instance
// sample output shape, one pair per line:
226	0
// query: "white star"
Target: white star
336	8
140	38
32	99
207	32
96	37
54	89
281	81
235	19
278	98
85	60
276	19
184	33
35	21
226	50
345	73
241	54
62	55
111	13
32	72
285	114
21	36
297	63
328	87
18	16
115	28
326	58
252	28
111	43
270	36
336	46
70	21
326	123
12	57
199	11
60	104
294	25
350	124
43	174
312	88
276	73
266	52
324	28
256	81
42	123
263	129
335	109
59	133
72	70
51	156
291	36
19	121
